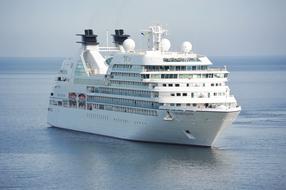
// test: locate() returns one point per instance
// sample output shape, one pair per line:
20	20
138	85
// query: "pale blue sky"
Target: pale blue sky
215	27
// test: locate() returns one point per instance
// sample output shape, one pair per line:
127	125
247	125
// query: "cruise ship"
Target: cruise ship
151	95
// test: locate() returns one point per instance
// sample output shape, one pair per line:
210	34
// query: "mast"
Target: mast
155	34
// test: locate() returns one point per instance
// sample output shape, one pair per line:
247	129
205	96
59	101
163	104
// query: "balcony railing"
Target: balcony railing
217	68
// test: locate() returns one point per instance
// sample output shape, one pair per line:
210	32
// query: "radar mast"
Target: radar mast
155	34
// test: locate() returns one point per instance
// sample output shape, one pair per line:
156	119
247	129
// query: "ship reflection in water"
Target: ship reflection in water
109	163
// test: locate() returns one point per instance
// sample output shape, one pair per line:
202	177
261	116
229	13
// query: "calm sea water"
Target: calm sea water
249	155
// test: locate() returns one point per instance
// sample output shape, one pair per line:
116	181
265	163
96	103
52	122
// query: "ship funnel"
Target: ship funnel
88	38
119	37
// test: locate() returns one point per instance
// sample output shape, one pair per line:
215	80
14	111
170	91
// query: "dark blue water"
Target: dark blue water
249	155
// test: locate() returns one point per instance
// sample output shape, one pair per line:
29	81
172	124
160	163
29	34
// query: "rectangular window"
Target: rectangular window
184	94
170	85
189	67
183	76
178	94
155	76
65	103
204	67
172	94
164	85
177	85
204	75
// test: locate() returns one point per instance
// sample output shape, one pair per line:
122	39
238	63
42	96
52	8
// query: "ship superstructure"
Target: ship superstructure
155	95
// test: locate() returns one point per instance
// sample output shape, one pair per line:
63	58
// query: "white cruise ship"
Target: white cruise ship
154	95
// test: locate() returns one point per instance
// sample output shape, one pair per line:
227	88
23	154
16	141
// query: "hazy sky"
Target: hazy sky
215	27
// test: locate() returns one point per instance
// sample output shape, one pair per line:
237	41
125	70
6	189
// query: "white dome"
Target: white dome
187	47
129	45
166	44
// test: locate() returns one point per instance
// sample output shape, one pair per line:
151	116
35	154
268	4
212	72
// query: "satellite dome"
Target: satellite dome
129	45
166	44
187	47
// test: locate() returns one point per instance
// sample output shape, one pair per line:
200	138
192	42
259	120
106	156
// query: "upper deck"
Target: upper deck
157	77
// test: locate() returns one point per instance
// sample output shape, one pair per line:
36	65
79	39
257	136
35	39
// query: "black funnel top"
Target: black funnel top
119	36
88	38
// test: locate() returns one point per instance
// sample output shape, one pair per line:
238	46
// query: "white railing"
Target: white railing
217	68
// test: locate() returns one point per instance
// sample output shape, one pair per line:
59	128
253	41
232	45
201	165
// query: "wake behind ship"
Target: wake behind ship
154	95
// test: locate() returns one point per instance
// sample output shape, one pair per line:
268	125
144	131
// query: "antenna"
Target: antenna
107	33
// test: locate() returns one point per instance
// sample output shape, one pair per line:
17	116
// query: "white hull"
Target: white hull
190	128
